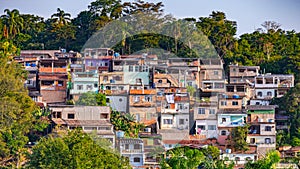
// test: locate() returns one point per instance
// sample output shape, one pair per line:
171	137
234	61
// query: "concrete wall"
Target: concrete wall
119	103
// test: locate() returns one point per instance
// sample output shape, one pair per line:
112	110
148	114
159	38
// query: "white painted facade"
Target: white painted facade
208	128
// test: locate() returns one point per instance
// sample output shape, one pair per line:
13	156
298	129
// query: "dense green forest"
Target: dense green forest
274	49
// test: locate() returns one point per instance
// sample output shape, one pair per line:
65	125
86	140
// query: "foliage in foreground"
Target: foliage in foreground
19	115
74	150
186	157
125	122
268	162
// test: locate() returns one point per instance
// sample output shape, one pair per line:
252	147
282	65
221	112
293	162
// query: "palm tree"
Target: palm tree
61	18
13	22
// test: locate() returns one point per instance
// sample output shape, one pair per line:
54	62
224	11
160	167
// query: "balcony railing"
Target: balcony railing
142	104
132	151
141	91
54	70
114	92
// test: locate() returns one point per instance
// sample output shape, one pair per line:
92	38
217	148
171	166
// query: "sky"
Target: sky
249	14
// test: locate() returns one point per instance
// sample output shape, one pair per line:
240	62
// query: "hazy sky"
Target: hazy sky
249	14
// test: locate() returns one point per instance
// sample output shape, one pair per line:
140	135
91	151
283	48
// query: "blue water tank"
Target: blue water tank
120	134
235	96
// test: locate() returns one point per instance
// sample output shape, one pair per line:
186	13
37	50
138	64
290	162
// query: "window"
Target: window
137	117
259	94
126	146
237	158
202	127
136	159
136	68
268	128
223	120
89	87
90	128
259	81
79	87
107	100
47	83
223	103
71	116
168	121
60	83
201	110
120	100
219	85
267	140
223	133
252	140
257	103
136	99
248	159
233	69
104	128
130	68
159	81
103	116
105	78
211	127
269	93
117	78
56	115
138	80
137	146
235	103
180	106
95	85
148	98
212	111
216	72
181	121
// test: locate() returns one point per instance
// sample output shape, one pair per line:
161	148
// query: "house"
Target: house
99	59
88	118
142	103
205	116
53	80
262	130
243	74
211	83
83	82
153	147
227	120
212	77
133	149
268	86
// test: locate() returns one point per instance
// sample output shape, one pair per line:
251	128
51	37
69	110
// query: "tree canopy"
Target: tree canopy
74	150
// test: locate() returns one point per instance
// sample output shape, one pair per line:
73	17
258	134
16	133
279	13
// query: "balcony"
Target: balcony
142	91
142	104
114	92
162	85
54	87
52	70
129	151
181	98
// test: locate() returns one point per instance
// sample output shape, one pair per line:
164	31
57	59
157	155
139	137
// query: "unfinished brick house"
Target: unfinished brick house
53	80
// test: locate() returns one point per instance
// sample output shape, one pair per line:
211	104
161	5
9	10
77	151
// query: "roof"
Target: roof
149	122
261	107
